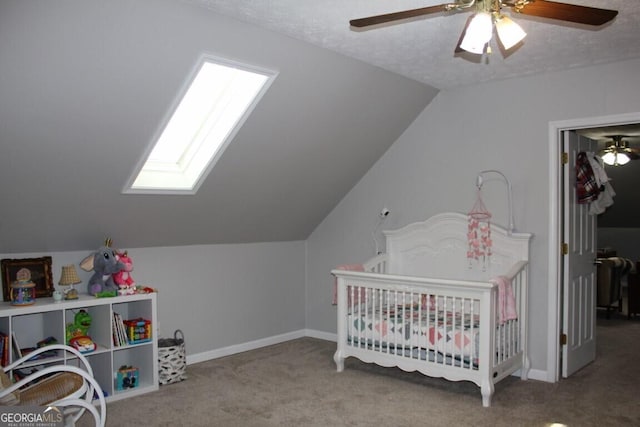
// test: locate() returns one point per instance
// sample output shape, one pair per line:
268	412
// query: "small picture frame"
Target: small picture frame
41	275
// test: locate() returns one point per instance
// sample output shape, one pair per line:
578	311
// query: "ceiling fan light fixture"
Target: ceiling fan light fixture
612	158
617	152
476	36
509	32
622	159
609	158
478	33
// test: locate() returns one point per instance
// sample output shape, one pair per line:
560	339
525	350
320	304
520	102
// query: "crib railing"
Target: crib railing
394	317
511	336
377	264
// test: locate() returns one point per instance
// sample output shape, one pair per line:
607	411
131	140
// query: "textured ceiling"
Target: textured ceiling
422	49
630	133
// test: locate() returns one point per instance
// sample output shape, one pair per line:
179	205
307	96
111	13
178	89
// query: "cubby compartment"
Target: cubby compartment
135	357
100	316
101	364
47	319
5	325
134	310
31	330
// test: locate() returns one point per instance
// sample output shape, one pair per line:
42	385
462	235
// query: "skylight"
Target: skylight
215	105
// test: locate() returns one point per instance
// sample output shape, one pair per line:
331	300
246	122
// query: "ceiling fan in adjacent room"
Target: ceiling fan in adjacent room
488	13
617	152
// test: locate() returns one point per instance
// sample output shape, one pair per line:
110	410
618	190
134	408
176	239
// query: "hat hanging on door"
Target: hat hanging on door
479	233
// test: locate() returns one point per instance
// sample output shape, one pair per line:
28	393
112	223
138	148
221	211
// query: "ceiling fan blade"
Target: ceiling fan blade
397	16
565	12
632	153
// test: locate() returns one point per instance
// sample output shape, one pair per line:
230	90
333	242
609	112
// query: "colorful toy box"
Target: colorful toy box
138	330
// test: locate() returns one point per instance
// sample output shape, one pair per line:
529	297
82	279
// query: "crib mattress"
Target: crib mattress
443	336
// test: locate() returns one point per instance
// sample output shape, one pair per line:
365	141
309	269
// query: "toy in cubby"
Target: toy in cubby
127	377
77	333
42	343
138	330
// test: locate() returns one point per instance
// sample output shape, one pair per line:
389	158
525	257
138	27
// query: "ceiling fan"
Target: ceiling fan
479	28
617	152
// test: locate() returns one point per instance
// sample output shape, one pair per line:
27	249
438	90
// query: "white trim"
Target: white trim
263	342
240	348
555	224
535	374
312	333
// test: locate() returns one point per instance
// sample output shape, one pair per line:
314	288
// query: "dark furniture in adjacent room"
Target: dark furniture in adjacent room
608	290
633	291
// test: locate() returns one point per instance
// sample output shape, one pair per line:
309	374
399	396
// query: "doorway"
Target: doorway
556	227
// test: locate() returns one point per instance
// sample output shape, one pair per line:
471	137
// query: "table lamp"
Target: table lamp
69	277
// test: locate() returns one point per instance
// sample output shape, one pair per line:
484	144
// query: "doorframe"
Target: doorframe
555	277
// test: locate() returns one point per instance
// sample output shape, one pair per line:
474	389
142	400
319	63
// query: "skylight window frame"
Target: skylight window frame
270	76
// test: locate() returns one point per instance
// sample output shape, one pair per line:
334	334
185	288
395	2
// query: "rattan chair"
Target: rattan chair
60	385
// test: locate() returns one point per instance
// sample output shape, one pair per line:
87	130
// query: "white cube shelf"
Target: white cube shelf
46	318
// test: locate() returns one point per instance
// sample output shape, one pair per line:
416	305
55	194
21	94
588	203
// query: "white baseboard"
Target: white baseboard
538	375
534	374
240	348
312	333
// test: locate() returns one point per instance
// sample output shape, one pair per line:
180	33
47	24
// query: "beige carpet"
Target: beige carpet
296	384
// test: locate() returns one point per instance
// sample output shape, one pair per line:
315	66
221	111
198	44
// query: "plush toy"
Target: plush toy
126	284
79	327
104	263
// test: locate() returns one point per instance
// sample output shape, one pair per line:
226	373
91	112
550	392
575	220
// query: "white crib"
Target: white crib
423	306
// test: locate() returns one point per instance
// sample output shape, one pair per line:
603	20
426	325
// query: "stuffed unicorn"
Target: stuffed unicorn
126	284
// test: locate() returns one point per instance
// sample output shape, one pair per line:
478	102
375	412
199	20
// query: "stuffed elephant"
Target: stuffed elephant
104	263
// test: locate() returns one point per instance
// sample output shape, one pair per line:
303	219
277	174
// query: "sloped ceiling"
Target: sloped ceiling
85	86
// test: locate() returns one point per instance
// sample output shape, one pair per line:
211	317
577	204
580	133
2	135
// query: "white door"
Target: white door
579	279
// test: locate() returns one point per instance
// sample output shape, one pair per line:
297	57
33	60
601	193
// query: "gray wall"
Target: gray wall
218	295
432	168
619	225
625	241
625	212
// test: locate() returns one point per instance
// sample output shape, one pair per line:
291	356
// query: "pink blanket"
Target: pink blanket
506	300
349	267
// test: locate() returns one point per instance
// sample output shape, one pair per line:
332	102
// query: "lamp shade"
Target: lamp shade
622	158
69	276
509	32
478	33
609	158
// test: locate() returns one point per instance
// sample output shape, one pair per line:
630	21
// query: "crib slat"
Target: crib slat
442	320
429	346
464	320
474	349
454	312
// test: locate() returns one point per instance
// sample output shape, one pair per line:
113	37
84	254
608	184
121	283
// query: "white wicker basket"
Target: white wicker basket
172	359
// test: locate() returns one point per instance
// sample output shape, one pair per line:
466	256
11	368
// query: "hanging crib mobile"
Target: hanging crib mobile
479	233
479	229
